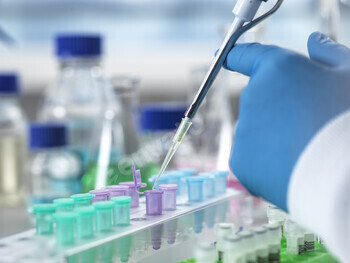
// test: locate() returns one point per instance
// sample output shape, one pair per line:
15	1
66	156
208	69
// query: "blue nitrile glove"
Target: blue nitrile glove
289	98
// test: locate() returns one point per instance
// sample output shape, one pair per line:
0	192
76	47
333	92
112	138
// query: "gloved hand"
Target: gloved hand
289	98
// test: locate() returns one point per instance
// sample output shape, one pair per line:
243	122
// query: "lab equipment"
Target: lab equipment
274	241
82	200
174	177
195	188
261	244
85	222
44	218
163	180
244	11
100	195
78	98
276	216
170	231
121	210
169	196
205	253
309	239
222	230
103	216
220	181
64	204
232	249
156	236
65	227
208	185
124	247
295	238
117	190
198	220
154	202
48	143
12	141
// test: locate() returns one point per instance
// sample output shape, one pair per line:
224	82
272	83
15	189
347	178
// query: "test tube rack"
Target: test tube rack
28	245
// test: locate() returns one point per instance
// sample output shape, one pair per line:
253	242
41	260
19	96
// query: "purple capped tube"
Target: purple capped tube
100	195
117	190
154	202
133	192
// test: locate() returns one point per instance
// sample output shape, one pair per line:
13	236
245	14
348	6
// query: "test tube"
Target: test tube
124	246
208	185
309	239
220	181
210	213
154	202
64	204
232	249
276	216
121	211
198	221
195	188
100	195
169	196
222	230
82	200
248	249
274	241
103	216
43	217
170	231
205	253
65	231
117	190
174	177
164	179
85	222
261	244
156	236
133	193
295	238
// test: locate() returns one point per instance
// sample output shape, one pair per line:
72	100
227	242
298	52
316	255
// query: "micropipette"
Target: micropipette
244	12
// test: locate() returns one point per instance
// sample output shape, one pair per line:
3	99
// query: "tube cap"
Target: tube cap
79	197
9	83
78	45
44	208
47	135
63	202
103	205
121	200
161	116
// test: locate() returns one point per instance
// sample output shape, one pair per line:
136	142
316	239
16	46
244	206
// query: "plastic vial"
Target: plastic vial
55	170
64	204
205	253
295	238
82	200
210	214
233	249
133	192
78	97
169	196
12	141
276	216
221	231
44	218
274	241
164	179
156	236
103	216
170	231
248	246
117	190
309	239
154	203
208	185
121	211
100	195
261	244
65	231
220	181
124	247
85	222
195	188
185	172
174	177
198	221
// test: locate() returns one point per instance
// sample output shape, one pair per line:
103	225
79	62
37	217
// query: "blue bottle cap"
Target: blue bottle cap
9	83
78	45
47	135
162	116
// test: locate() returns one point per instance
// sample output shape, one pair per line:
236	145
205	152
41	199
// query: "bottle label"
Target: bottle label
309	245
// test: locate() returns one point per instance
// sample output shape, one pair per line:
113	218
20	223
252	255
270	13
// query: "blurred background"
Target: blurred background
86	112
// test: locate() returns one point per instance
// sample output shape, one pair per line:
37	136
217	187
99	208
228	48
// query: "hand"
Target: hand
289	98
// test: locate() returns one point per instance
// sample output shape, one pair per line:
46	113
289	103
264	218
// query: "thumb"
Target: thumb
242	57
324	50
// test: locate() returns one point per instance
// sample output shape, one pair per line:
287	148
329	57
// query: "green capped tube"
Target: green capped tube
85	222
82	199
43	217
121	211
64	204
65	230
103	216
